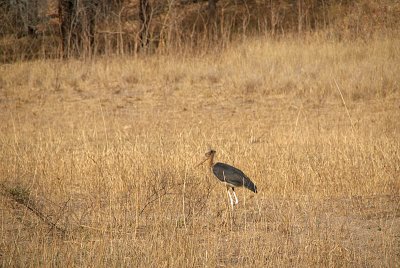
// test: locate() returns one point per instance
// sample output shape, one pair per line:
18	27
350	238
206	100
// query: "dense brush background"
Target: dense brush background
31	29
98	151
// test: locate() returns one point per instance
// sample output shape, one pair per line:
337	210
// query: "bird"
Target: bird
229	175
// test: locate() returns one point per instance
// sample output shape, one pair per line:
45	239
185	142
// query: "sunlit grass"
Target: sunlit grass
106	151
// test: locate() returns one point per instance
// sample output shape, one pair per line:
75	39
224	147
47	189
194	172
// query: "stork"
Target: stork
229	175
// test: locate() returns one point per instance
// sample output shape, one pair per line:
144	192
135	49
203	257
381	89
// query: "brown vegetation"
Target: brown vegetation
51	29
97	157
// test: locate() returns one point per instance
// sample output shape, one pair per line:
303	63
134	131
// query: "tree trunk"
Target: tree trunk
212	8
66	10
212	19
77	26
144	16
90	8
300	15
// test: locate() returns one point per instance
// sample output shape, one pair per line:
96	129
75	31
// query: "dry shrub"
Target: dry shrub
186	26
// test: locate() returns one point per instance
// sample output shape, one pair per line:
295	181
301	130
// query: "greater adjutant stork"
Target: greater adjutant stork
230	176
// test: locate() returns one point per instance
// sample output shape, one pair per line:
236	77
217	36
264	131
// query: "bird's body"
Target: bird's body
231	176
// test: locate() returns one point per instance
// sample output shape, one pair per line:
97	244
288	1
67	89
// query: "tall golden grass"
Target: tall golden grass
97	158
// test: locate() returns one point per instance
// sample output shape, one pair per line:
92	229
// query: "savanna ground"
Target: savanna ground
98	158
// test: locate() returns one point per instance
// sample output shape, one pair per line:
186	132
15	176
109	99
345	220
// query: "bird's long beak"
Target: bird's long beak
201	162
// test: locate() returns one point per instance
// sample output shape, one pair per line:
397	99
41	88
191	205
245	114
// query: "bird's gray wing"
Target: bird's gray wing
233	176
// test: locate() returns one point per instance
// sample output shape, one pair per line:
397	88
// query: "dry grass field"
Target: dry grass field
98	158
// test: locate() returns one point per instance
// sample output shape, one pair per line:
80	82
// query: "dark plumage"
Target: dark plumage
232	176
229	175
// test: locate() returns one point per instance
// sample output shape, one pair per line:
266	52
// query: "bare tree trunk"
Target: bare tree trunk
27	11
274	17
144	16
212	8
212	19
300	15
90	24
77	26
66	10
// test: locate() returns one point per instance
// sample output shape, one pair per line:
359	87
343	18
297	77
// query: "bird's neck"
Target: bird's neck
211	161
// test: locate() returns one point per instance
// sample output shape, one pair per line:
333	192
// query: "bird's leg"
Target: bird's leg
230	197
234	194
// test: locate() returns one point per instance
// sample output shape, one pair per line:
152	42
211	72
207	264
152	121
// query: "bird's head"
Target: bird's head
208	156
210	153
